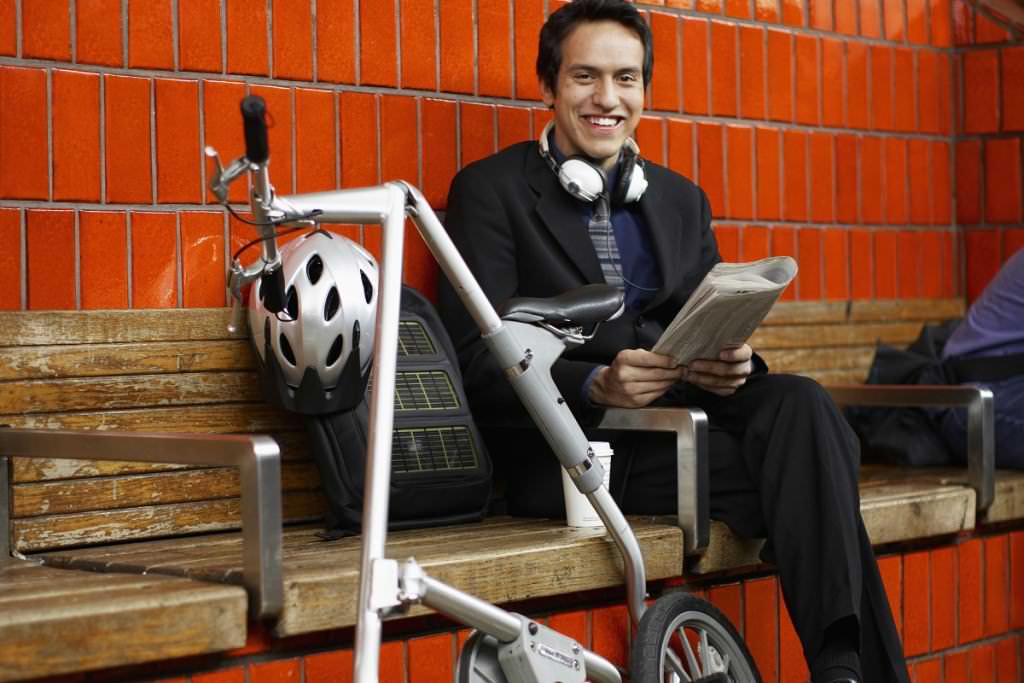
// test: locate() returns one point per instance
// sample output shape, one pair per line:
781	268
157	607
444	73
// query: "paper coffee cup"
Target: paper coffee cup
578	510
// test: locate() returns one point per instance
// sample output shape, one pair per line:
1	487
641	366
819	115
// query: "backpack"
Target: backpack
440	471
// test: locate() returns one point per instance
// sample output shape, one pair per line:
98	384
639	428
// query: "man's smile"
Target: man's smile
604	122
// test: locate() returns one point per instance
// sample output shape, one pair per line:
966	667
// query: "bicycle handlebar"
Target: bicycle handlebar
254	115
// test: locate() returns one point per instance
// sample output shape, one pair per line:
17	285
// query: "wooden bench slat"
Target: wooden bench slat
110	526
294	447
906	309
895	506
1009	501
802	336
804	360
108	360
216	418
54	621
135	391
807	312
82	495
42	328
541	558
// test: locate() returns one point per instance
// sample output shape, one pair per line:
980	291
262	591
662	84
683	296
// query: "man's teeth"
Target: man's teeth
603	121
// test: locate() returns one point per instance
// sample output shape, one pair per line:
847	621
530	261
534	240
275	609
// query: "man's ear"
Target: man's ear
547	96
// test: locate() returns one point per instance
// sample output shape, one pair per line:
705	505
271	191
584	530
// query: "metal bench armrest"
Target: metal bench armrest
980	421
690	425
258	459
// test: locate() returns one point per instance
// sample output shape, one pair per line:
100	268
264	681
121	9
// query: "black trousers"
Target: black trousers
784	466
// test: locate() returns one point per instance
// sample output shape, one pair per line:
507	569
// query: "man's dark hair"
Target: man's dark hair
562	22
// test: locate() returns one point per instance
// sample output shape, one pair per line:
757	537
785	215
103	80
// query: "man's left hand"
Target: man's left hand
723	376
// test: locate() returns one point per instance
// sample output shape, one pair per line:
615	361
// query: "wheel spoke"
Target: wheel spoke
676	666
705	653
690	657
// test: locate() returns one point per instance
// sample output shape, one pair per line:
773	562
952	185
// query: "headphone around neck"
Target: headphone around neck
585	181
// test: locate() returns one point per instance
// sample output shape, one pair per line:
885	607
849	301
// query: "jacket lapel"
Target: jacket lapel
666	236
562	216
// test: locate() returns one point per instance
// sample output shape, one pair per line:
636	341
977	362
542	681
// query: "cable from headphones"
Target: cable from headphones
603	206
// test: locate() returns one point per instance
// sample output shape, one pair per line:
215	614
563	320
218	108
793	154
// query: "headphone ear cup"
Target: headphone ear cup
637	185
581	179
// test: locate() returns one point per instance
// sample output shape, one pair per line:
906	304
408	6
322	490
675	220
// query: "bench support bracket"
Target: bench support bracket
690	425
258	459
980	405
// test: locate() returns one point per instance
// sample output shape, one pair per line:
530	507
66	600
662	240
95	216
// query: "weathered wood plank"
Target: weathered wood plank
109	493
893	510
807	313
134	391
214	418
102	360
516	568
803	360
109	526
81	622
41	328
817	336
294	447
499	560
906	309
1009	500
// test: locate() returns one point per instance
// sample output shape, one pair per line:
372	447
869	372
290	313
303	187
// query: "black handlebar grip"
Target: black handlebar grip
254	115
272	289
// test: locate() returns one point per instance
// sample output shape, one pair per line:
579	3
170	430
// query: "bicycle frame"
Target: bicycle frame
524	351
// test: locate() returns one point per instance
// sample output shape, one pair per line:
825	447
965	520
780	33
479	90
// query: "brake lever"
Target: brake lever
222	178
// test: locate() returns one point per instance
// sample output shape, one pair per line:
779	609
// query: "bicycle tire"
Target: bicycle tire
720	656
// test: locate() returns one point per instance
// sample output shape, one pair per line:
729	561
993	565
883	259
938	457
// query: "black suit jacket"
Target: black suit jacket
522	234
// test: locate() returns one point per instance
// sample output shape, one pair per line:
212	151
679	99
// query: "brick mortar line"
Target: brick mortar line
18	40
124	33
129	253
23	234
76	227
50	170
72	24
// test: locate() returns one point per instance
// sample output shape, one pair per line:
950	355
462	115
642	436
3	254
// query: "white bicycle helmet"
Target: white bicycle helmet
316	353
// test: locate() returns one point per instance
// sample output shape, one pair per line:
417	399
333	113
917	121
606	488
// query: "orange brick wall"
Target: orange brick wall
825	129
990	134
876	140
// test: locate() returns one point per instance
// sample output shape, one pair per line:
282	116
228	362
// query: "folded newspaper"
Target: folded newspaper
726	308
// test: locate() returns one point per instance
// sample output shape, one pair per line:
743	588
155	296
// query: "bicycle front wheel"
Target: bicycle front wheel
683	639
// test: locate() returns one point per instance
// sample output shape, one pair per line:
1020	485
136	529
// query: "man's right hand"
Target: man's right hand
634	379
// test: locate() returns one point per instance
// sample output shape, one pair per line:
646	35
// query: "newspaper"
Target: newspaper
726	308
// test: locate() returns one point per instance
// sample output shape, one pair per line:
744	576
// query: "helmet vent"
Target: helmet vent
335	352
314	269
332	304
292	303
286	350
367	286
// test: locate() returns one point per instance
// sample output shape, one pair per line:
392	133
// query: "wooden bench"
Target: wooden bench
180	371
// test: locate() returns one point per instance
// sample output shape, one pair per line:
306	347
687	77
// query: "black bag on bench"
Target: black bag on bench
440	471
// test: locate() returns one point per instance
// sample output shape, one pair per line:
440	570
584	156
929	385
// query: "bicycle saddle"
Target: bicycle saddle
583	306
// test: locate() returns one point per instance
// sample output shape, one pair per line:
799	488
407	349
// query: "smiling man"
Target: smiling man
581	206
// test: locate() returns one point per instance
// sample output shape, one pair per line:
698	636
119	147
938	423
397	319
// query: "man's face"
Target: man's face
599	94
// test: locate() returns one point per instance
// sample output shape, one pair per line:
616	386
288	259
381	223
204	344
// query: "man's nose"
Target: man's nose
606	94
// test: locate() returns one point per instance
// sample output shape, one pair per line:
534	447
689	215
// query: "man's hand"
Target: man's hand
723	376
634	379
